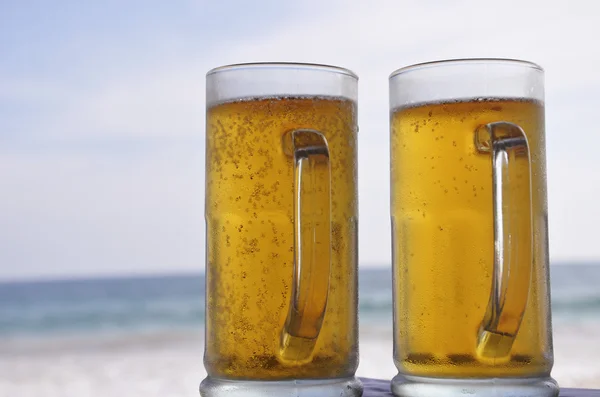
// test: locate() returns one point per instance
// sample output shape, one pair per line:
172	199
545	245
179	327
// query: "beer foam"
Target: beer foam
274	98
480	99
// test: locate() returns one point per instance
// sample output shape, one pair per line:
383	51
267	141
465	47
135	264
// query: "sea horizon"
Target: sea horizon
146	302
188	272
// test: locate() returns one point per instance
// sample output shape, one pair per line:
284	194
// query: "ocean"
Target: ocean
144	336
176	302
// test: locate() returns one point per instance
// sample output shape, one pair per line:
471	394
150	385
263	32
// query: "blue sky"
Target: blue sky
102	115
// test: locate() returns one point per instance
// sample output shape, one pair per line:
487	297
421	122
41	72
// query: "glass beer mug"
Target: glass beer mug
470	230
281	220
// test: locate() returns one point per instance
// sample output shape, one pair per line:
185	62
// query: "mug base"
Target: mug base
338	387
420	386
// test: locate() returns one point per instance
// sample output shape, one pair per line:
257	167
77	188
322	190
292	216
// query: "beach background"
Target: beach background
143	336
102	153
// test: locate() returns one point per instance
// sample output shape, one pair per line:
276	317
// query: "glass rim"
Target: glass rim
466	61
282	66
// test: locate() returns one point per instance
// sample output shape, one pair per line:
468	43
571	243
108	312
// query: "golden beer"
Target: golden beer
250	237
443	234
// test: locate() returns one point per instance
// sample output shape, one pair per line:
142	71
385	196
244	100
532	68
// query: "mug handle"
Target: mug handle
312	244
513	251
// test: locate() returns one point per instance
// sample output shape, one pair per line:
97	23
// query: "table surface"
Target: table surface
381	388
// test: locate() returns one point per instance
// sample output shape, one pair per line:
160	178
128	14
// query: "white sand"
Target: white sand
170	364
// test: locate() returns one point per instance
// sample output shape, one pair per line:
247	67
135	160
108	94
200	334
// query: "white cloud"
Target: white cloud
158	102
375	38
88	210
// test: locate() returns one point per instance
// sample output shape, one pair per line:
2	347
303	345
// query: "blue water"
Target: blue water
175	302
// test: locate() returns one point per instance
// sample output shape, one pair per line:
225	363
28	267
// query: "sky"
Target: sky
102	115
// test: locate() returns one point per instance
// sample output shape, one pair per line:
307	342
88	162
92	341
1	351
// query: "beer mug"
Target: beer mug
281	231
470	230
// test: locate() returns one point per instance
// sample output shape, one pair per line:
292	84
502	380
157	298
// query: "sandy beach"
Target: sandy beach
169	364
